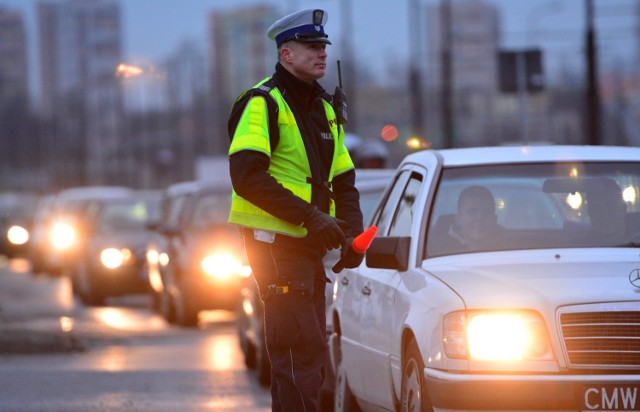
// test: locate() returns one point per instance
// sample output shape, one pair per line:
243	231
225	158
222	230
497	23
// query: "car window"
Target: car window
540	206
124	214
172	210
386	212
404	217
211	208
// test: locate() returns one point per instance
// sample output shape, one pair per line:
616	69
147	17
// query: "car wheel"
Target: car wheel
37	267
247	348
86	286
248	351
414	387
156	301
186	314
167	308
326	391
343	399
263	363
74	280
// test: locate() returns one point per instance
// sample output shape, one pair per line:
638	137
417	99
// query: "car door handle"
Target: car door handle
366	290
344	281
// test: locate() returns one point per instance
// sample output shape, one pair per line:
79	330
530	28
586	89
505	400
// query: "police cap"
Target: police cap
305	26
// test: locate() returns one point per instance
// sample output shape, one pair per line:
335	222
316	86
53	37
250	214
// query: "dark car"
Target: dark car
16	220
113	235
196	261
55	229
371	183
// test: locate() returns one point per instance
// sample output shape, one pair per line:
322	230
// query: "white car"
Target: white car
542	315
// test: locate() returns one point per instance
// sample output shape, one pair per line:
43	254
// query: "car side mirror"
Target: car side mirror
389	252
153	225
169	230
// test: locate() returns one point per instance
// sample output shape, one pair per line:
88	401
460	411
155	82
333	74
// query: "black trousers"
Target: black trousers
295	324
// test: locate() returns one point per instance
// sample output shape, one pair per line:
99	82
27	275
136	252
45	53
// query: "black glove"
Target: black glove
325	228
349	258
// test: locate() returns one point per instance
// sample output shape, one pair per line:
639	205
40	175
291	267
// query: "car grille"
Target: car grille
607	339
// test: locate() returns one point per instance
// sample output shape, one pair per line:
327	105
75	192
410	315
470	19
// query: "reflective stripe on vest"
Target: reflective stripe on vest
289	163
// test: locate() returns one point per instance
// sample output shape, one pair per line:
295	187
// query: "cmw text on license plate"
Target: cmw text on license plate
612	398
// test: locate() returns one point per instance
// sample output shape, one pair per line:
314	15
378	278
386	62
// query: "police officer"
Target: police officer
294	198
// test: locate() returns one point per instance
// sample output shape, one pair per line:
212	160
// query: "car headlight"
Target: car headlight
62	235
496	336
113	258
17	235
153	257
224	265
163	259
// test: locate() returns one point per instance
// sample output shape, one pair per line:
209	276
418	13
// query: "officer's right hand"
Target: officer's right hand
325	228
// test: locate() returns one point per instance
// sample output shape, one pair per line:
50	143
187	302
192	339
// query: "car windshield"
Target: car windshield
17	206
534	206
127	214
211	209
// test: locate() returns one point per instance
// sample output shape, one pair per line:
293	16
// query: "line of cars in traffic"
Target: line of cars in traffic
530	301
96	235
174	244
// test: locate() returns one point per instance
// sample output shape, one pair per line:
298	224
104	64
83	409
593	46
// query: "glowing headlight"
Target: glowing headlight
163	259
153	257
62	236
17	235
223	265
113	258
496	336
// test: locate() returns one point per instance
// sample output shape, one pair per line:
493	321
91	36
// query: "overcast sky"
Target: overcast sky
154	28
380	26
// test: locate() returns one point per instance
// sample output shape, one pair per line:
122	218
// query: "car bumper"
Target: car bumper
213	294
611	392
12	250
123	280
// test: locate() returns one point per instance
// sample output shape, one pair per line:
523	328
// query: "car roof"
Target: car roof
370	174
85	193
192	186
524	154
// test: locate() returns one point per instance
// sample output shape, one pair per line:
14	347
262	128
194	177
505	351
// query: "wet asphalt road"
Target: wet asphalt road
57	355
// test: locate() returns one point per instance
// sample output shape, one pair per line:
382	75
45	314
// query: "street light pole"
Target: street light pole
415	83
349	59
446	75
593	98
127	73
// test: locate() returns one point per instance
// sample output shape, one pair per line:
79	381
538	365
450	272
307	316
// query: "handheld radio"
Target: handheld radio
340	100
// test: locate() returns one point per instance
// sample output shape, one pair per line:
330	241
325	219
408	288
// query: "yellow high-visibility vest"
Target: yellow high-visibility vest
289	163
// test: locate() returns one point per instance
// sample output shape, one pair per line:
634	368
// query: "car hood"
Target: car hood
212	238
531	278
129	238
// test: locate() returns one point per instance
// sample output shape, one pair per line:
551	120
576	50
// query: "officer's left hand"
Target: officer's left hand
349	258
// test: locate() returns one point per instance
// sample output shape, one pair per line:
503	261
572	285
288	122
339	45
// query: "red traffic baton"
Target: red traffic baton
359	245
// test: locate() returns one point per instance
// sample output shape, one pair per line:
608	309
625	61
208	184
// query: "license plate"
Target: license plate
611	397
